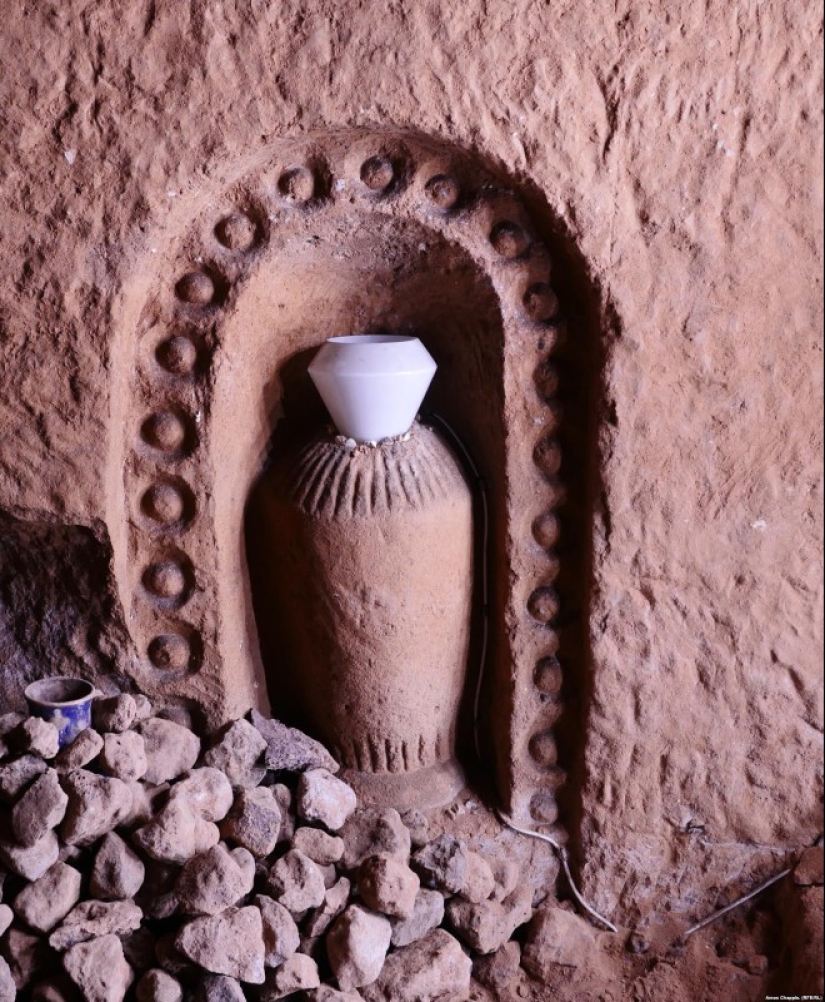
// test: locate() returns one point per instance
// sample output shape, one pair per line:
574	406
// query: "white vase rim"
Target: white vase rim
367	339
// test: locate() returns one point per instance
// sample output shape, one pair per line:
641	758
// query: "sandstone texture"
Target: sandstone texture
237	754
212	881
230	943
674	159
158	986
47	900
177	834
83	750
357	947
325	799
255	821
434	968
206	791
170	749
99	969
117	872
123	756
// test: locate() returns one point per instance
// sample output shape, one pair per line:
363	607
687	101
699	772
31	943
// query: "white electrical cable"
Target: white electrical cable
734	904
564	857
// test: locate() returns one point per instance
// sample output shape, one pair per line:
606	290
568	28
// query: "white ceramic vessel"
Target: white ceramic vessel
372	384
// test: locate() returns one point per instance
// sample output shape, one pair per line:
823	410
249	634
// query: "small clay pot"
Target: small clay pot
65	702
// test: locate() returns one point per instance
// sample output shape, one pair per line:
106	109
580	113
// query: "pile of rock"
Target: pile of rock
244	869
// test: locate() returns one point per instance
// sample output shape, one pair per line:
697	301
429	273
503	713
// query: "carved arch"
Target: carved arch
215	328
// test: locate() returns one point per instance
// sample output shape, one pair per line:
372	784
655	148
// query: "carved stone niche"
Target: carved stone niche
350	232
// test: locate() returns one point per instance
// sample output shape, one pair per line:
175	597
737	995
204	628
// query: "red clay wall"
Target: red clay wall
680	146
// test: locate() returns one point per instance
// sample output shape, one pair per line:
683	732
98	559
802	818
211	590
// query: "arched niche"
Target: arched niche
334	234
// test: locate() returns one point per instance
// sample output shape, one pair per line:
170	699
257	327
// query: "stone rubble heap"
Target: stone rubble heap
136	860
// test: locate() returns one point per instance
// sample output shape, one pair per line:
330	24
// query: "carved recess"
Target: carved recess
216	314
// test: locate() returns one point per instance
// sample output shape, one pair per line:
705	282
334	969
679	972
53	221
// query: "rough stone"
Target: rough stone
281	935
146	803
99	969
219	988
357	945
416	823
434	969
84	749
8	989
170	959
206	791
48	900
254	821
17	774
386	884
158	986
296	882
93	919
329	873
139	949
143	707
171	750
556	937
124	756
118	872
428	914
498	971
485	926
31	862
114	714
444	864
27	956
480	882
213	880
323	798
97	804
176	834
286	803
157	896
290	750
506	874
297	973
237	754
38	737
371	831
41	808
335	901
321	847
6	918
231	943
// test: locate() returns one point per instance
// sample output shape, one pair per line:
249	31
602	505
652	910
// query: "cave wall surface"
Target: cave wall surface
679	148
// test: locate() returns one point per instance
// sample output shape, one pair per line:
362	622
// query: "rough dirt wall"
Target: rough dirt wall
680	148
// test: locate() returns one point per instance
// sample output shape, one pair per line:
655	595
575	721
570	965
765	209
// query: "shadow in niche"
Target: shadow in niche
461	326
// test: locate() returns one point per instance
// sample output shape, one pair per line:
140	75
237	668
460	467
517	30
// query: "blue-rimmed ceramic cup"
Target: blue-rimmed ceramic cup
63	701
